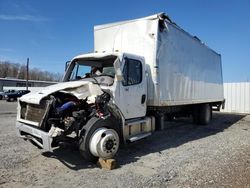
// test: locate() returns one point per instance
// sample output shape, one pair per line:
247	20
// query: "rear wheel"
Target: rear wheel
169	117
205	114
202	114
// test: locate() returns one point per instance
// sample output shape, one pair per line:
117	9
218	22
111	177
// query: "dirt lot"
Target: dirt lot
183	155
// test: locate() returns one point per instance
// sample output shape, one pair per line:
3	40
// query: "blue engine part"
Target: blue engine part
66	106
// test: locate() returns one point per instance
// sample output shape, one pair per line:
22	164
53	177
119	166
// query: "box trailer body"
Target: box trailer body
182	69
141	72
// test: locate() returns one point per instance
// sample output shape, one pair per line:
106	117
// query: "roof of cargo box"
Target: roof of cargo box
161	16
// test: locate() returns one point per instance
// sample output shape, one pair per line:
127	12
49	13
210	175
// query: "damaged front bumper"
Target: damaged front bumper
39	137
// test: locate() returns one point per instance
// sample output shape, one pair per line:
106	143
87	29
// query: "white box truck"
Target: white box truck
141	72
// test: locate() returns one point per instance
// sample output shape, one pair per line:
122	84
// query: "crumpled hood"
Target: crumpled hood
80	89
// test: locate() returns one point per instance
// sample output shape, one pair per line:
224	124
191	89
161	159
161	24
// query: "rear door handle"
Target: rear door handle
126	89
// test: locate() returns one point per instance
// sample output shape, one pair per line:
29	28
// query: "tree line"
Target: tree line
16	70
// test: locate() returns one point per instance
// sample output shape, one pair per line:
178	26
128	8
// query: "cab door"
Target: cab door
133	88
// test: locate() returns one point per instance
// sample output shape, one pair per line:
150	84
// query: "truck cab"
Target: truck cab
101	109
122	75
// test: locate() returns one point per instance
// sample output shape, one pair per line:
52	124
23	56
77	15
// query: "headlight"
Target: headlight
6	96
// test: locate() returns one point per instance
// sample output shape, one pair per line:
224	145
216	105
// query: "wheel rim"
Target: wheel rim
104	143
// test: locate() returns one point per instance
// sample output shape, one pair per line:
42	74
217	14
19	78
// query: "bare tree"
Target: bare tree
17	70
5	66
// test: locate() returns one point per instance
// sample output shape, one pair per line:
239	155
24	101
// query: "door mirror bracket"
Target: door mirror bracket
118	71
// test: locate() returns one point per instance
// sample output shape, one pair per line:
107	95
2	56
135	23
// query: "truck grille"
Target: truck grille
33	112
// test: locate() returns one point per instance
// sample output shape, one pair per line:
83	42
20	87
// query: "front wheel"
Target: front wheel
104	143
99	142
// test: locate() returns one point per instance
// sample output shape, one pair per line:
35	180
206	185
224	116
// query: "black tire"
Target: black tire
169	117
85	151
196	115
1	97
85	138
211	113
93	124
202	114
205	114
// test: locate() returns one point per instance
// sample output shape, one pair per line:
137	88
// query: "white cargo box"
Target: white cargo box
181	69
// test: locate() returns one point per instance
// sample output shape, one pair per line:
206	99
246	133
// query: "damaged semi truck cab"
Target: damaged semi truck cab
90	109
141	72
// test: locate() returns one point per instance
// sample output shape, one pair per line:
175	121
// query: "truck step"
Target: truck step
135	121
139	136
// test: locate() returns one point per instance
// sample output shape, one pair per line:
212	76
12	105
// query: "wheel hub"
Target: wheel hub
104	143
109	144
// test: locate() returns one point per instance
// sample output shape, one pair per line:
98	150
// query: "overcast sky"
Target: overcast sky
52	32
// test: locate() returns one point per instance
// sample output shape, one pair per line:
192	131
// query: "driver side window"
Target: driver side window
132	72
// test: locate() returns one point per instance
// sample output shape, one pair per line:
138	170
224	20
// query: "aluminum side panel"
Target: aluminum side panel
189	72
181	70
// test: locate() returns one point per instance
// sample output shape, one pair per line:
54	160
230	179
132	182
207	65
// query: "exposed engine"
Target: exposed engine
63	114
101	105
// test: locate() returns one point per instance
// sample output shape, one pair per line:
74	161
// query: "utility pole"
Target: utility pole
27	74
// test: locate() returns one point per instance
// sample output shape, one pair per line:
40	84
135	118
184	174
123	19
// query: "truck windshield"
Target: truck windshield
79	71
101	74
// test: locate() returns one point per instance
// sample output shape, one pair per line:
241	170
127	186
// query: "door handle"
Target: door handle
126	89
143	99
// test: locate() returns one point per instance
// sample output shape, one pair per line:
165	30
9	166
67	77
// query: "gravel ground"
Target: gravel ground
183	155
7	107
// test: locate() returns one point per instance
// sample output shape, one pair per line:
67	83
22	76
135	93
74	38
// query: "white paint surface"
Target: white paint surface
237	97
182	70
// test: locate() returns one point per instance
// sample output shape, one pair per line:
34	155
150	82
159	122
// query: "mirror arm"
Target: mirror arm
118	71
67	64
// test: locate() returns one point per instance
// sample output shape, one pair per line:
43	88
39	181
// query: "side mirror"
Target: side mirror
67	64
118	71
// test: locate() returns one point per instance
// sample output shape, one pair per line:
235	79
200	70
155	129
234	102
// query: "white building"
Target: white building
237	97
